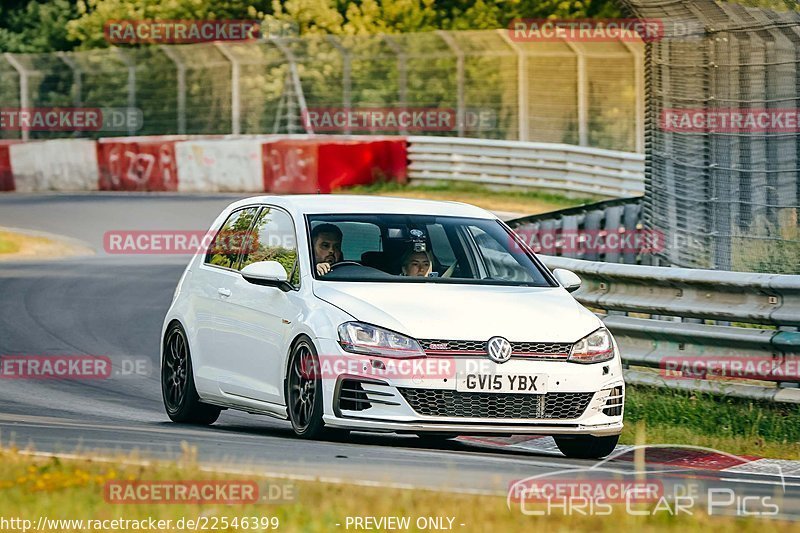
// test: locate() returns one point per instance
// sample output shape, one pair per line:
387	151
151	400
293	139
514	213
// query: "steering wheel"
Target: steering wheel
345	263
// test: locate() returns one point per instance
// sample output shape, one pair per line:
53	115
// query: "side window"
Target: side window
274	240
359	237
224	250
499	262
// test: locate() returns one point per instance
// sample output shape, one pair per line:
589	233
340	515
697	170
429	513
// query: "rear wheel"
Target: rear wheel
177	382
304	390
586	446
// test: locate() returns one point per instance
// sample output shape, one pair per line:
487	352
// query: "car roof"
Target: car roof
317	204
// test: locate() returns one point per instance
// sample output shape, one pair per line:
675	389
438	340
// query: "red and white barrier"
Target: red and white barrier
6	177
57	165
293	164
220	166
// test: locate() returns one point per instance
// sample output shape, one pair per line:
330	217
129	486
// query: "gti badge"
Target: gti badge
499	349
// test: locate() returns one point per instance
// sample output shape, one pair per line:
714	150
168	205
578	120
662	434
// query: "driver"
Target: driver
327	242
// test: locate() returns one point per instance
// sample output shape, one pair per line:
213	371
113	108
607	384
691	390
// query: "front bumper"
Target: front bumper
390	402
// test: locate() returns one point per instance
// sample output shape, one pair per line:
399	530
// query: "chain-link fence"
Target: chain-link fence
726	194
577	93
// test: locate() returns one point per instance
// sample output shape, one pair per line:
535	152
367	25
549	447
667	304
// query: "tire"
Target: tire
178	391
586	446
304	390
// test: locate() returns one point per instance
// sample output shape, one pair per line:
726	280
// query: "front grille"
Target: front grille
452	346
540	350
454	404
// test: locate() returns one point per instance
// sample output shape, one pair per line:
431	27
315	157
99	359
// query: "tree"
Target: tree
36	26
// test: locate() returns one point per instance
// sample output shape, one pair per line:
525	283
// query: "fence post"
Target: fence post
346	78
522	84
77	77
77	80
24	96
131	66
180	68
402	73
583	94
236	116
638	84
295	77
461	111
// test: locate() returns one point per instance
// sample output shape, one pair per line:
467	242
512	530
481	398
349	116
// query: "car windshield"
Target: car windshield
420	249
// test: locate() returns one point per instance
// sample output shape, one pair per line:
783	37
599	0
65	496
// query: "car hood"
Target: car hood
464	312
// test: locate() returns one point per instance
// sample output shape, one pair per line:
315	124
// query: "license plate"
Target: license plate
500	383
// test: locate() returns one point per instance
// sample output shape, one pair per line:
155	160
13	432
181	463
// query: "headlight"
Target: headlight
357	337
593	348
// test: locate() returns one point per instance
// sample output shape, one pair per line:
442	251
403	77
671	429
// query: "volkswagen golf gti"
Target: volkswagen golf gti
378	314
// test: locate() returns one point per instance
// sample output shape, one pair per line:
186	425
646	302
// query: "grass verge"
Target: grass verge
734	425
9	243
75	490
515	201
15	246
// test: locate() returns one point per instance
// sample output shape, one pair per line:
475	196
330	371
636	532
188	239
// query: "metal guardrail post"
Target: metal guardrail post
180	68
77	82
638	84
236	117
583	93
402	74
130	64
295	77
347	83
459	53
24	95
77	77
522	84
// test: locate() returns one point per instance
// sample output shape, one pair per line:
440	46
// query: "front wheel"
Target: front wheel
586	446
304	391
177	382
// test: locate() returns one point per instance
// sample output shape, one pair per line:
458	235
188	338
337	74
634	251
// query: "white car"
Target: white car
387	315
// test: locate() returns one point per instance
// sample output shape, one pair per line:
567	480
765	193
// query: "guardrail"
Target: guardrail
660	318
558	167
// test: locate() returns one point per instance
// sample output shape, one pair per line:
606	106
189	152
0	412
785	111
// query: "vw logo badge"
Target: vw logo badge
499	349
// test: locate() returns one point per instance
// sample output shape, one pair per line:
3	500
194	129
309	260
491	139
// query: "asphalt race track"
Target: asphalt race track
114	306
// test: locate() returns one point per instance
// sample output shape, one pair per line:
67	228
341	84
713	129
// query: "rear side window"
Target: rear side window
273	240
230	239
358	237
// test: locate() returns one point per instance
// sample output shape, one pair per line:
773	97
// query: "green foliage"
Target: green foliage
737	425
35	25
38	26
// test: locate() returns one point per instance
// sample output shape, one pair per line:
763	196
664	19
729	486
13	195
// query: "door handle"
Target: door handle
224	292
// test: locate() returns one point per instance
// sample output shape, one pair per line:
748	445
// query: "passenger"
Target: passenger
416	264
327	242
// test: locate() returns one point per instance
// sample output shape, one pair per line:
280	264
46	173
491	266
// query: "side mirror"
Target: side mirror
568	279
267	273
